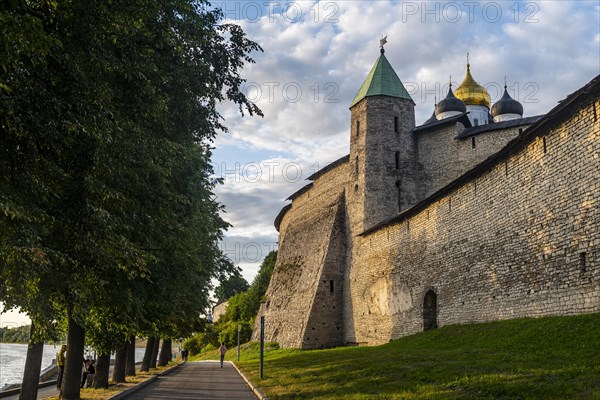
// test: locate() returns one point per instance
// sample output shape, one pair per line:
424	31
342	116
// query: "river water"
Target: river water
12	360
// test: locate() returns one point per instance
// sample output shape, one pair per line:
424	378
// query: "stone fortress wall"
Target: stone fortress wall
490	231
218	311
519	239
305	289
444	157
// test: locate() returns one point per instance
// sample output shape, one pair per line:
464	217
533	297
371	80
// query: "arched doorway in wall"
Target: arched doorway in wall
430	311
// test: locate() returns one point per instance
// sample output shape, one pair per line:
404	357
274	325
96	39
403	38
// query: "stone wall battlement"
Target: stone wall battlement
521	239
420	228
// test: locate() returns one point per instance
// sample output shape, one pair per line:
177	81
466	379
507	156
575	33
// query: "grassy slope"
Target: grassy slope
544	358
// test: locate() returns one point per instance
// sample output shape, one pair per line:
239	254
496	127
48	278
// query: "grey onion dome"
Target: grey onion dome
507	105
431	119
450	103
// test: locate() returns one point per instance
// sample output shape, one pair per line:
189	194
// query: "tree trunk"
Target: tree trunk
155	352
33	366
119	367
102	368
165	353
148	354
130	359
71	386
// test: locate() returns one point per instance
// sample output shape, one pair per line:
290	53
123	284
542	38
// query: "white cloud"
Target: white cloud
546	49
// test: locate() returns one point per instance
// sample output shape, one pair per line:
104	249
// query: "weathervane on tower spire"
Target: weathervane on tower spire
382	42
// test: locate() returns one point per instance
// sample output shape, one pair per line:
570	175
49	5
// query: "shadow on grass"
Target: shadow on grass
550	358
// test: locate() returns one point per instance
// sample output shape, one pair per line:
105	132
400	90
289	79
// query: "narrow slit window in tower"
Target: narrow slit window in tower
397	159
473	142
330	286
396	124
544	144
356	166
357	127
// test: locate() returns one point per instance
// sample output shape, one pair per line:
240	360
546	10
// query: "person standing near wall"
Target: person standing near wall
60	361
222	350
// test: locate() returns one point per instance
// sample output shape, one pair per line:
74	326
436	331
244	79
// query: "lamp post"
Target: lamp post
239	327
262	337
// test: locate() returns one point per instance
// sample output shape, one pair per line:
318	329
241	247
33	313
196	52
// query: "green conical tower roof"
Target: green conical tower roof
382	80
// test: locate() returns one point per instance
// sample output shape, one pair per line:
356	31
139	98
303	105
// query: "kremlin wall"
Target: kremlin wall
477	215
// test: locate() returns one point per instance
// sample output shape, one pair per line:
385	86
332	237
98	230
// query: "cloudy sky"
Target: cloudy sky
317	54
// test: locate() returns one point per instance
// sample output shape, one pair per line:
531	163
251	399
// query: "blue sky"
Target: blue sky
317	54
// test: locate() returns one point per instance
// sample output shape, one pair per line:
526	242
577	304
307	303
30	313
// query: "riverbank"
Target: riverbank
12	360
49	392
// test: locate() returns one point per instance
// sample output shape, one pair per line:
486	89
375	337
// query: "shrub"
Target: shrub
228	334
199	341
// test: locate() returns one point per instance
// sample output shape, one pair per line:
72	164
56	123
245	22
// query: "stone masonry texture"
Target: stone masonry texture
500	225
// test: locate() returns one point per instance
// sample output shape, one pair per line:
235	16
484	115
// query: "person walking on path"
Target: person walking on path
222	350
60	361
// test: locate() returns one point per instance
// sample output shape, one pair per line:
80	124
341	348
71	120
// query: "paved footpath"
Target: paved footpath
43	393
197	381
52	391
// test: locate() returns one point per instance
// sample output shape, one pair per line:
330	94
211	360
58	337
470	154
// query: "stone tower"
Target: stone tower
382	160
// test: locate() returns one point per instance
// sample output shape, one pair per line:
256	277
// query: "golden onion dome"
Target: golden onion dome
471	92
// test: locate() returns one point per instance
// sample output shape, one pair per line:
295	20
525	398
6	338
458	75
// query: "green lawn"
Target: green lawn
543	358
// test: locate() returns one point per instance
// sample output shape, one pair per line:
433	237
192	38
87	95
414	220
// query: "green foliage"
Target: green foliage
235	309
243	307
248	351
199	342
533	358
241	310
194	344
228	332
260	285
233	284
210	347
107	112
19	334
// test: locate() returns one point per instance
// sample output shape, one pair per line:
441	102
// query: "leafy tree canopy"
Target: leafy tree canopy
107	112
232	285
